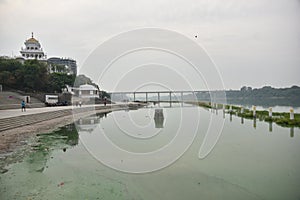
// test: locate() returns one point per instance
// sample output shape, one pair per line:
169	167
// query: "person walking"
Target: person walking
23	106
105	101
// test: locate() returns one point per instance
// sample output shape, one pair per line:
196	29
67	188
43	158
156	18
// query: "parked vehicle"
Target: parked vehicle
51	100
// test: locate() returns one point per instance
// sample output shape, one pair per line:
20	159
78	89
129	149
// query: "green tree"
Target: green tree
58	81
35	76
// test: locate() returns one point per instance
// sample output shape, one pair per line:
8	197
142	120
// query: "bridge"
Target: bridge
159	96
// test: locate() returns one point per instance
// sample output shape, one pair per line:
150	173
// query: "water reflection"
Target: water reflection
270	126
90	123
62	139
292	132
159	118
58	169
254	122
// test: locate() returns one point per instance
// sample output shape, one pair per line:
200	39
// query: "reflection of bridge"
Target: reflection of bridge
167	95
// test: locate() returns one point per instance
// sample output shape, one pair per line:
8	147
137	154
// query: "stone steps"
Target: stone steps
23	120
15	122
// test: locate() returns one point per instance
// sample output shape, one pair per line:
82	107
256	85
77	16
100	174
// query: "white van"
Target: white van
51	100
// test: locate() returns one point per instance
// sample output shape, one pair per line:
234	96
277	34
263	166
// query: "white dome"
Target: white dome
87	87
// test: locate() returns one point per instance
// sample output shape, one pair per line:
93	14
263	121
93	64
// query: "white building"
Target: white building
32	49
83	93
88	91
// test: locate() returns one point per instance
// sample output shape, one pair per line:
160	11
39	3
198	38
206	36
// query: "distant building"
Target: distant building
32	49
83	93
68	63
86	91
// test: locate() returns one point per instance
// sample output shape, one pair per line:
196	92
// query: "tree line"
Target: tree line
33	76
265	92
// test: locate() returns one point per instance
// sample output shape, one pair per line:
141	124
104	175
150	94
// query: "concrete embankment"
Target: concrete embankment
31	117
17	126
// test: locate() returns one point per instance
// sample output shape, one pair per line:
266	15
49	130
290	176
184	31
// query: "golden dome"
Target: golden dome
32	40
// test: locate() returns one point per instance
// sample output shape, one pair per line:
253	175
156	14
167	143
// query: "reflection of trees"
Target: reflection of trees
66	136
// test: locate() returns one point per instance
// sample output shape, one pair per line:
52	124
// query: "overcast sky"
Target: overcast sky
253	43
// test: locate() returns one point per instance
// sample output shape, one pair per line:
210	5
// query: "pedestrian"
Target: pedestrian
23	106
105	101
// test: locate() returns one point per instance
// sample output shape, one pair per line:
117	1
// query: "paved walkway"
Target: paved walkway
17	112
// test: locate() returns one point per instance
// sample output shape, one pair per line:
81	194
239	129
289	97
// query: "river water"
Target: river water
249	161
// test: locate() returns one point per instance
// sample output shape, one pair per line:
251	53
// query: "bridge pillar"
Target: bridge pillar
194	96
134	96
170	95
147	97
158	97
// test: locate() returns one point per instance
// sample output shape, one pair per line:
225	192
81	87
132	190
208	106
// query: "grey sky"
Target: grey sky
252	42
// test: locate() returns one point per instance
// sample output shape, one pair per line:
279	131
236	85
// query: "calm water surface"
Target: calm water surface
247	162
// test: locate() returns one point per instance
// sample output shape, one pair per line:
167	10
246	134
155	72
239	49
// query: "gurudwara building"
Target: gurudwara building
33	50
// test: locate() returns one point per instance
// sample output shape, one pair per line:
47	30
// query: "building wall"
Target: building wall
65	62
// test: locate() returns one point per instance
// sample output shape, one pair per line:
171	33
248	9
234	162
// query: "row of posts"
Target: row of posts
292	117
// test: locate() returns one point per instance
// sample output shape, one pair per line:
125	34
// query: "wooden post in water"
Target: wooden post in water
291	114
242	120
292	131
270	126
254	122
270	112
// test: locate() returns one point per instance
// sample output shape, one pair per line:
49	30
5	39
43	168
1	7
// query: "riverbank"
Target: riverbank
280	118
15	135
